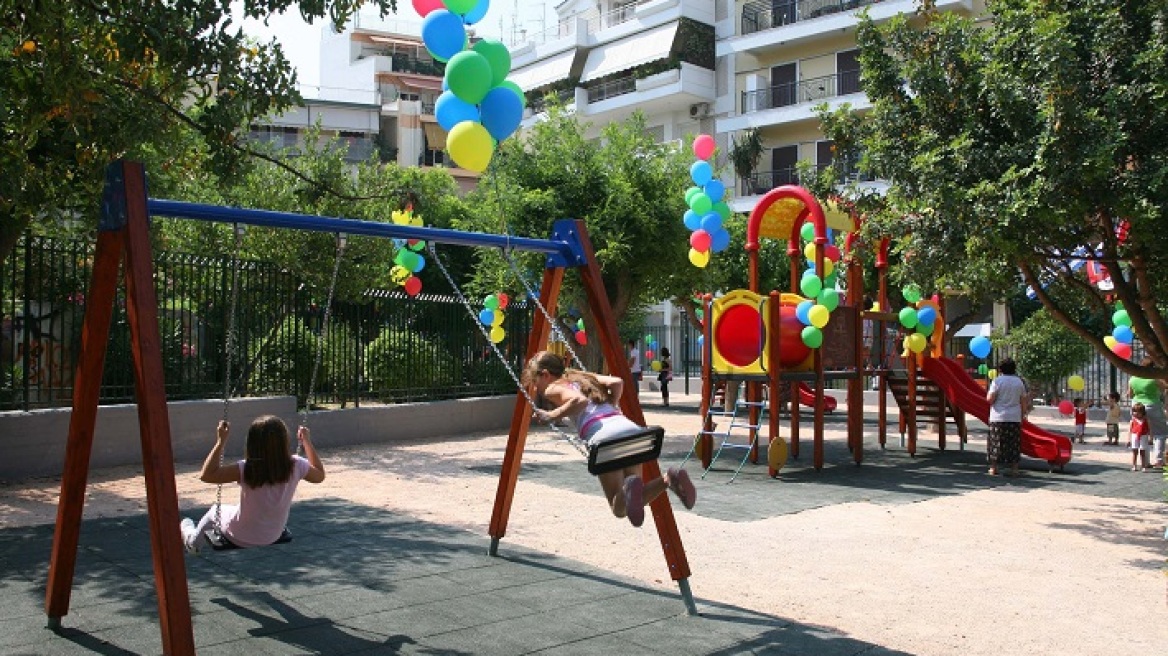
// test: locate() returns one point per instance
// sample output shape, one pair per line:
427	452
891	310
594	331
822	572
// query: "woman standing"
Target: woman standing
1009	403
666	375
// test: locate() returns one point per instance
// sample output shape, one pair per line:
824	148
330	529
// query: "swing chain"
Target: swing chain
579	364
342	241
571	439
229	347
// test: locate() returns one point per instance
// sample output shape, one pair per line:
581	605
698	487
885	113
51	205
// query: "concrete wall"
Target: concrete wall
34	442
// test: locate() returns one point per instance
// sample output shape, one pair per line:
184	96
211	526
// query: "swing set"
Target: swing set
123	236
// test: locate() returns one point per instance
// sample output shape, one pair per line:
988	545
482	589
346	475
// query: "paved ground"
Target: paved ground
365	579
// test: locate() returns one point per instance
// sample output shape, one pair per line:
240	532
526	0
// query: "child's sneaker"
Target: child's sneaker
189	535
683	487
635	500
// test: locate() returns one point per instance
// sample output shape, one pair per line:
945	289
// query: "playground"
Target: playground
922	555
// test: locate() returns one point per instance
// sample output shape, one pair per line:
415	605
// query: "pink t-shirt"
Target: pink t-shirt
263	511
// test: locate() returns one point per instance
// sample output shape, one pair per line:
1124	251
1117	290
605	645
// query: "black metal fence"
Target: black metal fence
388	348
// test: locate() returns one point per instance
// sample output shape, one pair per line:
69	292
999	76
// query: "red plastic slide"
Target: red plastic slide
964	391
807	398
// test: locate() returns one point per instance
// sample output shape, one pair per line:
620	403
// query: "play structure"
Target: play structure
799	340
123	245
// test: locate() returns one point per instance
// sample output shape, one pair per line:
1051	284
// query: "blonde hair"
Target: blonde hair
588	384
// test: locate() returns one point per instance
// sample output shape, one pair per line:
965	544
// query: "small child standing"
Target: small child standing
1141	436
1080	420
1112	418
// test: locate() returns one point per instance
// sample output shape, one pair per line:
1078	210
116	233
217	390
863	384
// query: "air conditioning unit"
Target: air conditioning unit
699	110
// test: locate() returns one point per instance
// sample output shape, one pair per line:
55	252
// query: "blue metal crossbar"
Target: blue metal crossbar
565	252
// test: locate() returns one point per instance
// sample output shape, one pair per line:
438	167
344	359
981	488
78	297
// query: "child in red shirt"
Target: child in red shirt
1080	420
1141	435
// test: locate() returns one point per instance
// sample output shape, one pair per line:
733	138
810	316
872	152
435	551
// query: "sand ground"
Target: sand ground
1005	569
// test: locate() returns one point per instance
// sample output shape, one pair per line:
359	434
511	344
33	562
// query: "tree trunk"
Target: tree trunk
11	227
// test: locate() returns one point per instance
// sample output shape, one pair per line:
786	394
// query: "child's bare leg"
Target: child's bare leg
613	485
653	488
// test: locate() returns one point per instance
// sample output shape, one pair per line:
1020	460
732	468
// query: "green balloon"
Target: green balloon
829	298
491	302
912	293
515	87
497	56
701	203
460	6
469	76
812	337
1121	318
810	285
580	324
925	330
722	209
690	193
908	317
807	232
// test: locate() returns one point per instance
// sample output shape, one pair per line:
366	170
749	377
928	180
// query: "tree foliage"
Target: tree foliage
84	83
1009	144
1046	350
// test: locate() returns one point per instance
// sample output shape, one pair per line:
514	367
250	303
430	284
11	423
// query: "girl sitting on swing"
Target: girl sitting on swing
589	400
268	476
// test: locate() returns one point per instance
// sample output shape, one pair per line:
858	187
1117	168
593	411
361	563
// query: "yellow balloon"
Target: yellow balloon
497	334
1076	383
471	146
655	365
498	318
915	342
399	274
876	306
809	251
698	258
818	314
1110	342
993	374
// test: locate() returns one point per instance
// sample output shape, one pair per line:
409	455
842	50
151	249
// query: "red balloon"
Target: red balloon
792	350
649	355
413	285
424	7
700	240
503	300
1066	407
581	338
832	252
1122	350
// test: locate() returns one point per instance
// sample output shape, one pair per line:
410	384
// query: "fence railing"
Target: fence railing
758	16
388	348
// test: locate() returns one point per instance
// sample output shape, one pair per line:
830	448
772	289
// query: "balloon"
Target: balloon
649	339
413	285
416	245
499	317
807	232
691	192
1066	407
1076	383
692	219
703	146
581	338
424	7
1123	334
876	306
915	342
1121	318
983	369
497	57
723	209
809	251
469	74
504	300
701	341
832	252
819	316
698	258
979	346
450	110
828	268
508	84
812	337
649	354
992	373
497	334
719	240
490	301
399	274
459	6
715	189
699	240
1123	350
924	329
409	259
912	293
580	323
711	222
701	173
419	264
926	316
471	146
502	111
802	309
477	12
701	203
1108	340
908	317
810	285
486	316
829	298
444	34
655	365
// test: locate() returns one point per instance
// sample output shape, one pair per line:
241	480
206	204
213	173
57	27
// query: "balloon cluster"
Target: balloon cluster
1120	339
492	315
408	260
655	365
822	297
920	321
707	209
478	107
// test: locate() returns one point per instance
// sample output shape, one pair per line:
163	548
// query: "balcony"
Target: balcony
757	16
812	90
612	88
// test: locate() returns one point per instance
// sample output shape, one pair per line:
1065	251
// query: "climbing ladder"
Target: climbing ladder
732	430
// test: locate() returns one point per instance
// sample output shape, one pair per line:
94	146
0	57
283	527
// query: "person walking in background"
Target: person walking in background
1080	413
1139	440
634	357
1148	392
1112	419
1009	403
665	375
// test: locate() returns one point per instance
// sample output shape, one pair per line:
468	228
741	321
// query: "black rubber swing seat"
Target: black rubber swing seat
219	542
621	452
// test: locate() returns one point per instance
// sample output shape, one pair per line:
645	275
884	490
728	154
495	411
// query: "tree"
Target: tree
1019	146
1046	350
84	83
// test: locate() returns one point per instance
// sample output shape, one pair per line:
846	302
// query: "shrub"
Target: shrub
401	363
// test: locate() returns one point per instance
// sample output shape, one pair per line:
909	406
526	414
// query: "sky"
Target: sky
301	40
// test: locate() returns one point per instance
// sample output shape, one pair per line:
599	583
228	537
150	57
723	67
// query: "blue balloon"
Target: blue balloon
802	309
715	189
711	222
692	220
486	316
420	264
1123	334
719	240
477	12
444	34
701	340
450	110
701	172
926	316
502	111
979	346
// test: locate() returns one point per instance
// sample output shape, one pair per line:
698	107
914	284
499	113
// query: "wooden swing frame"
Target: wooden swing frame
123	238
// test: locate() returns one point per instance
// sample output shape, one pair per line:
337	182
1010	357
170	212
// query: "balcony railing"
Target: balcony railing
538	103
809	90
613	88
758	16
764	181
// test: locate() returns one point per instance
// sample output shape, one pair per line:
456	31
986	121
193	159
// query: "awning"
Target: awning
412	82
545	72
975	330
435	136
632	51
